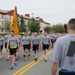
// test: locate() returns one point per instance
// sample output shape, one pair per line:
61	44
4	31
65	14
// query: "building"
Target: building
6	15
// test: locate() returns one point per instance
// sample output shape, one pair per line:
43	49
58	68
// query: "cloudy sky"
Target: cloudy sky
52	11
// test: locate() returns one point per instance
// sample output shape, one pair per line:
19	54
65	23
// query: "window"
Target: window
2	30
2	15
2	22
10	17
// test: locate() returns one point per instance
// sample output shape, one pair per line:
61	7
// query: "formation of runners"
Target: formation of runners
12	45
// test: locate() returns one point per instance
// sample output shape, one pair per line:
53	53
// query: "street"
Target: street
30	67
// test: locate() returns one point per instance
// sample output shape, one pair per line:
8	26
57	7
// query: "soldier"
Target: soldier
46	42
1	47
18	51
26	45
13	45
35	44
6	38
64	52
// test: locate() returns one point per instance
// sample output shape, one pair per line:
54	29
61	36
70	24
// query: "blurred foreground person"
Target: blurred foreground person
64	52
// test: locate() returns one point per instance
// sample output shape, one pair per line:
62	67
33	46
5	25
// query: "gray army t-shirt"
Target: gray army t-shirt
1	41
19	38
26	40
13	41
64	52
35	40
46	39
6	38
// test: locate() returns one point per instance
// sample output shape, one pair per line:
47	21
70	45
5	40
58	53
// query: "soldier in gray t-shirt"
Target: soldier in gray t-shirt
26	44
35	44
6	39
18	51
1	46
63	54
46	43
19	38
13	45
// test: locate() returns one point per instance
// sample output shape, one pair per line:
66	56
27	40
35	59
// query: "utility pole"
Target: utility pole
32	15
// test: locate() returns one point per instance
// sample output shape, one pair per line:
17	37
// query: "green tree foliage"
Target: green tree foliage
7	25
22	26
47	29
34	26
58	28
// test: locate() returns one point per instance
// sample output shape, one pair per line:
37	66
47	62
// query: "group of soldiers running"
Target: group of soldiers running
12	45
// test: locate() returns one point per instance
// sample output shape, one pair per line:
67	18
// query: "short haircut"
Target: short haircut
41	31
71	23
46	32
12	31
26	32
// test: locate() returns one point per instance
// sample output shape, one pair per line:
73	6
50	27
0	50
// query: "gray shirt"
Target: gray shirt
51	36
26	40
46	39
19	38
64	52
6	38
1	41
40	36
35	40
31	36
13	41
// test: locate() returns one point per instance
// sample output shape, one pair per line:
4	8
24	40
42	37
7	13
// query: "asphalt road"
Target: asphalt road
31	67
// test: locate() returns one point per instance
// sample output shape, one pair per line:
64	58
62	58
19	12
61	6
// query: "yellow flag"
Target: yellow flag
14	23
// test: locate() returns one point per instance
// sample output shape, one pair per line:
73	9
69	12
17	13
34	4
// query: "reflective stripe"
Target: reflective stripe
13	46
64	70
1	44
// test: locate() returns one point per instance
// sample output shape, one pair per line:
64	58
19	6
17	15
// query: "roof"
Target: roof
7	12
11	13
4	11
26	17
41	20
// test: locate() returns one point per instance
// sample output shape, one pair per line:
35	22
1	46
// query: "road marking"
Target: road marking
31	64
16	73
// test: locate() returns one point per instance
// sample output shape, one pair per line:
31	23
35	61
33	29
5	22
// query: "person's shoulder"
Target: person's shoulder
15	37
28	36
63	38
19	35
48	35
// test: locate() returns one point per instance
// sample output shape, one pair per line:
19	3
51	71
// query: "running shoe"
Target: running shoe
15	63
45	59
12	67
36	59
25	59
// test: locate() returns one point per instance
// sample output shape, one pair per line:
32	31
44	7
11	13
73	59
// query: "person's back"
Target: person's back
64	52
67	61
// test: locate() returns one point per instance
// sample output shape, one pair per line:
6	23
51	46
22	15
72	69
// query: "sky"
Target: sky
52	11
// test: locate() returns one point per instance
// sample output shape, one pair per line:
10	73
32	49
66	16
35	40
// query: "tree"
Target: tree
47	29
34	26
7	25
58	28
22	26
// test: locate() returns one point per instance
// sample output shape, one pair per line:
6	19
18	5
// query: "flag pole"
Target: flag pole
16	16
